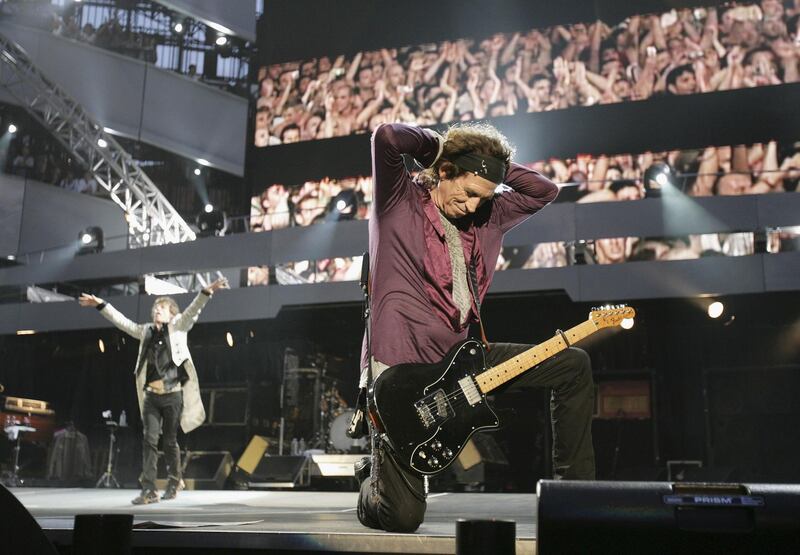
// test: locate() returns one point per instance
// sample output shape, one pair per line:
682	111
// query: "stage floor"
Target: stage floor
275	520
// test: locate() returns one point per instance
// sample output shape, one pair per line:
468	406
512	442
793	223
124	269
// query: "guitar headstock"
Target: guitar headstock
612	315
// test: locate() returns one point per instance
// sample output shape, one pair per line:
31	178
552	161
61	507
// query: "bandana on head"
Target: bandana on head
488	167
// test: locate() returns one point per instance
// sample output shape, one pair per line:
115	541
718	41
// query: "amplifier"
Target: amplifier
623	399
32	406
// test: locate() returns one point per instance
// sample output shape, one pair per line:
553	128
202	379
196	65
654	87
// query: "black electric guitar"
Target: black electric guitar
429	411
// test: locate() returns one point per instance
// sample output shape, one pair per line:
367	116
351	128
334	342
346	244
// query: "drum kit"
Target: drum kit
338	416
311	387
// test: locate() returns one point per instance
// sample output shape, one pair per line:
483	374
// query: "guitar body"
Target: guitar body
429	411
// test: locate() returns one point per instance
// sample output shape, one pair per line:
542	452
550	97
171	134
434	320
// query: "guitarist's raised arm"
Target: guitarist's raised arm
389	142
529	192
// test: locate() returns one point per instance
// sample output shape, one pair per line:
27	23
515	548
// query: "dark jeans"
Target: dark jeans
393	498
569	375
162	415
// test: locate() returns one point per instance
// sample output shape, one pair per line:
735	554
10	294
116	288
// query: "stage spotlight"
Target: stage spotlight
627	323
657	177
229	339
102	143
101	345
211	222
222	40
715	309
91	240
344	206
198	171
12	129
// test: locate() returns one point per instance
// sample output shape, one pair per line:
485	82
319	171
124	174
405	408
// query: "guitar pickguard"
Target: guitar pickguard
430	421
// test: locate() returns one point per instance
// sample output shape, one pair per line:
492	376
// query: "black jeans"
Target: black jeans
569	375
161	416
393	498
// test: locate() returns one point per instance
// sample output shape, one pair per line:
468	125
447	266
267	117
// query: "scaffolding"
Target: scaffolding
152	220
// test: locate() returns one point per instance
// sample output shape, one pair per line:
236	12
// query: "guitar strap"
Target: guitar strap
473	280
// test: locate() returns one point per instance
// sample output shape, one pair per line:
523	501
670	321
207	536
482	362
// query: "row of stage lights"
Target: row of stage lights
180	26
101	345
12	129
714	310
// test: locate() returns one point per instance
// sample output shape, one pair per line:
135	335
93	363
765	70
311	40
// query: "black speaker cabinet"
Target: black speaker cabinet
662	517
279	472
201	469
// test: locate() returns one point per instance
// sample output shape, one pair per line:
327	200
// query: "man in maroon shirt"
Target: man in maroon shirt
426	237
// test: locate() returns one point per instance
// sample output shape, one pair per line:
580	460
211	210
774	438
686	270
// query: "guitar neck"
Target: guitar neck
506	371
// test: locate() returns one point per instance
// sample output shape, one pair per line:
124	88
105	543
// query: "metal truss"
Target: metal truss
152	220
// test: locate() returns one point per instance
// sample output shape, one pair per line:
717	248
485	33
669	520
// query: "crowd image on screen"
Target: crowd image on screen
279	206
346	268
759	168
679	52
609	250
723	170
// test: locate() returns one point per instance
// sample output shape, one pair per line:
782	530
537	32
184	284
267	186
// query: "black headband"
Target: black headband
488	167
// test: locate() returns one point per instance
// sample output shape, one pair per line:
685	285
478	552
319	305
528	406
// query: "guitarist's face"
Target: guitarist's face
462	195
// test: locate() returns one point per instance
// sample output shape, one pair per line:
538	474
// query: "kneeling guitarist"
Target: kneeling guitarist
434	241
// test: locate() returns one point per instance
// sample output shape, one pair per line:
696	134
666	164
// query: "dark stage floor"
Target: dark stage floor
276	520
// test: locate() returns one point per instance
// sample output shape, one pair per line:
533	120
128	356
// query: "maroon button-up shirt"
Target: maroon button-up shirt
413	315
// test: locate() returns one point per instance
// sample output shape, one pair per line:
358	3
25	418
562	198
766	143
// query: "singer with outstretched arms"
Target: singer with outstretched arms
166	382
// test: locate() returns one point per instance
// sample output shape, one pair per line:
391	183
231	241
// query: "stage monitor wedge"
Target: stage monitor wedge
253	454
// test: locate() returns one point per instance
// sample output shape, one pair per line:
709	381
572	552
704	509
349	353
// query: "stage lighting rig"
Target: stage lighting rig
715	309
658	178
90	240
343	206
211	221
